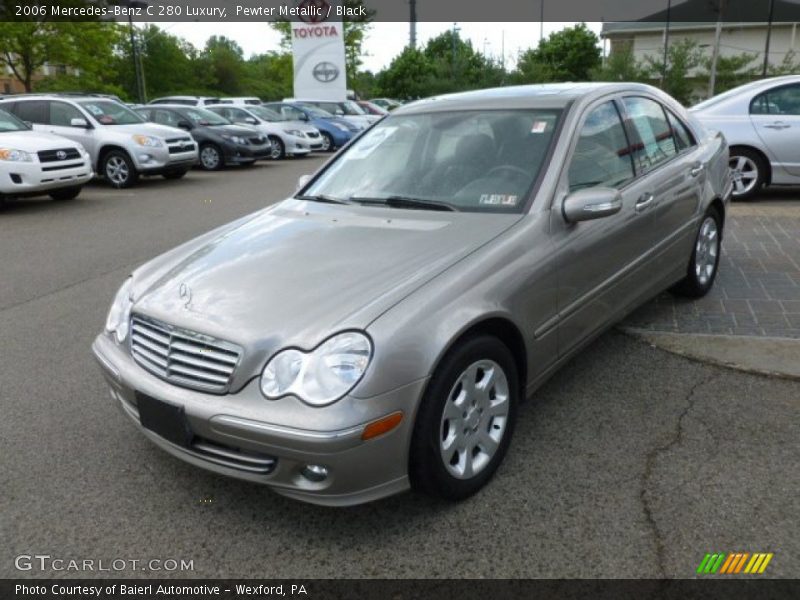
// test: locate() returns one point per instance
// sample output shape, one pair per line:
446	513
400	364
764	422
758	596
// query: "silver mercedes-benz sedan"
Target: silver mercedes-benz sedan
378	330
761	123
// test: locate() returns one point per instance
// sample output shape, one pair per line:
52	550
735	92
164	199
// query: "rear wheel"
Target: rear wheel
465	420
211	157
278	149
704	262
748	171
118	169
66	193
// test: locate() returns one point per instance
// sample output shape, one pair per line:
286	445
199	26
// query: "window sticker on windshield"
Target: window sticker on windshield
539	127
94	109
499	199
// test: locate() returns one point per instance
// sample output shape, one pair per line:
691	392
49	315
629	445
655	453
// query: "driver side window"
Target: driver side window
602	155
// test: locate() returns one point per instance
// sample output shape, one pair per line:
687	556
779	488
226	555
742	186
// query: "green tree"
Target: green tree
567	55
787	66
409	75
225	60
621	65
733	71
270	76
27	46
684	60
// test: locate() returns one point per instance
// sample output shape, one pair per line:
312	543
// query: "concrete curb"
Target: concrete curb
772	356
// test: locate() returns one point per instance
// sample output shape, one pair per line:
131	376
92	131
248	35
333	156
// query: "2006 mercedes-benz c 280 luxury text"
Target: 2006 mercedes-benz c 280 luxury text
378	330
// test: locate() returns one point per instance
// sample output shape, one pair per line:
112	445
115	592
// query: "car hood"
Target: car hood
300	125
231	130
154	129
297	272
34	141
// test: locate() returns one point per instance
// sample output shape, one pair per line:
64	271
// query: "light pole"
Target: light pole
712	79
666	45
456	29
769	35
137	65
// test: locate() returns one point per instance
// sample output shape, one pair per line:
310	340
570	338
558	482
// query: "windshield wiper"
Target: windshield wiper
406	202
324	198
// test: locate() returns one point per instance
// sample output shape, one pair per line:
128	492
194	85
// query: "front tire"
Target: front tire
69	193
704	262
118	169
465	420
328	144
278	148
748	171
211	157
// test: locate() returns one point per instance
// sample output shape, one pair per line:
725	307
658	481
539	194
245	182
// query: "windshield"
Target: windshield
317	113
204	118
107	112
10	123
266	114
478	161
351	108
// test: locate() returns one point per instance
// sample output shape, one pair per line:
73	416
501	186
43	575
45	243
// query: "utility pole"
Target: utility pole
137	64
454	36
412	21
666	45
769	35
712	80
541	21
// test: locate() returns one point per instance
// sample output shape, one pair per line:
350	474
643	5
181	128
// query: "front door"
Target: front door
775	114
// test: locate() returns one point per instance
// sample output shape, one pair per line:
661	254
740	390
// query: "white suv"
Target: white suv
33	163
121	143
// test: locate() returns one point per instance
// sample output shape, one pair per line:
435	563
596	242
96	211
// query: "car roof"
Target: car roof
550	95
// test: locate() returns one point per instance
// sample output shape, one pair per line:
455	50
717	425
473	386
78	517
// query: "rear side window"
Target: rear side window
778	101
34	111
602	154
681	133
655	144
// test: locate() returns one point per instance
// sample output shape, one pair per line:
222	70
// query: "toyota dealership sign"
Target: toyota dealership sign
318	48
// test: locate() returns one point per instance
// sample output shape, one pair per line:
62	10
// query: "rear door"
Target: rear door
668	161
600	261
775	114
59	121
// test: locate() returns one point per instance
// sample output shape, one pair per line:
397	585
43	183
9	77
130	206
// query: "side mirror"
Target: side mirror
591	203
79	122
339	112
302	181
303	117
184	125
251	121
29	124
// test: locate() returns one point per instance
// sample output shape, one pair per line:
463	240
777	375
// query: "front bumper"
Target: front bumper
30	178
244	428
156	161
300	145
245	154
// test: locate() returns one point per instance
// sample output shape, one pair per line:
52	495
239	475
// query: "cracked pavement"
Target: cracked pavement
629	462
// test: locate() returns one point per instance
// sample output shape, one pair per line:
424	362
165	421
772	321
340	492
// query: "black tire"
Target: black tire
69	193
698	282
328	144
278	148
211	157
427	465
175	174
118	170
749	173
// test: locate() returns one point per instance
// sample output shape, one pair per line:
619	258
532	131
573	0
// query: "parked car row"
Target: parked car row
55	143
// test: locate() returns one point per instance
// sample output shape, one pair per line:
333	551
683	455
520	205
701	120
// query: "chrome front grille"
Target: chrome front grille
233	458
182	357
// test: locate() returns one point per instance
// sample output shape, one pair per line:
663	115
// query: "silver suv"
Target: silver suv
122	145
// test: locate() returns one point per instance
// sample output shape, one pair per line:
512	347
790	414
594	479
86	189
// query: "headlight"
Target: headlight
148	141
235	139
295	132
12	155
119	315
321	376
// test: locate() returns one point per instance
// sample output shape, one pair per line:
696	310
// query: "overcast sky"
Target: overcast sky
385	40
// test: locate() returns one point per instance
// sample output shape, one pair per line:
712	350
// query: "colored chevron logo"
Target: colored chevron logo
733	563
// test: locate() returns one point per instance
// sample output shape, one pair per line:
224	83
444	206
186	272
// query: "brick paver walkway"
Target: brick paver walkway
757	291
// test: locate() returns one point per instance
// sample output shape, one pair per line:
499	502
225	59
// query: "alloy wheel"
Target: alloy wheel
117	170
706	251
209	157
744	172
474	419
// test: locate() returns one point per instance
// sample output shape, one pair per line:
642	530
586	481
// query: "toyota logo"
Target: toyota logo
325	72
61	155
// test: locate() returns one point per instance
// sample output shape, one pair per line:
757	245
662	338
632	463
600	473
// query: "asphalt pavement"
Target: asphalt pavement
630	462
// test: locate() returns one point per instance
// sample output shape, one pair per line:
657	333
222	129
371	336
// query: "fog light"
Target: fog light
145	157
315	473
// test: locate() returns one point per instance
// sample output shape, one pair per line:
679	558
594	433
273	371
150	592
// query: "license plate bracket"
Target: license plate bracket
165	419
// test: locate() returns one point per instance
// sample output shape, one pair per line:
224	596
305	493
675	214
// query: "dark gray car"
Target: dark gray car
379	329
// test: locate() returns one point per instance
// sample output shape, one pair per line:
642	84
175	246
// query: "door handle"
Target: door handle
778	125
697	170
644	201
